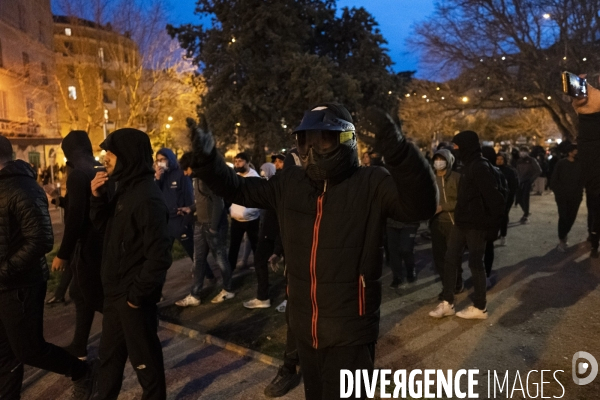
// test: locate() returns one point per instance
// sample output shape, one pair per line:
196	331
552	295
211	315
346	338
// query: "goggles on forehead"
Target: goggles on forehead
323	142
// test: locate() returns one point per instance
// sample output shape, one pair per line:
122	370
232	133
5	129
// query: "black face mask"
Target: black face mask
320	167
240	170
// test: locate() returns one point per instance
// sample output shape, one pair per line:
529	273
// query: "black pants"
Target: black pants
488	258
523	195
594	209
237	234
290	358
475	240
440	233
264	251
84	317
321	368
22	341
401	245
65	280
567	213
505	219
129	332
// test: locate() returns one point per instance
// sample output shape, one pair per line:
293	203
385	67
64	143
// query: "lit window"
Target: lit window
68	31
101	53
72	93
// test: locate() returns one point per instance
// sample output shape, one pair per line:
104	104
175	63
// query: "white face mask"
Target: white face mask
439	165
162	164
523	154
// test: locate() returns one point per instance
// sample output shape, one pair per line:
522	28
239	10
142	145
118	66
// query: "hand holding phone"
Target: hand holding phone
574	85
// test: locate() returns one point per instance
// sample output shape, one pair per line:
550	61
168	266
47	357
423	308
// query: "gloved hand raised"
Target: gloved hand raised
378	130
203	142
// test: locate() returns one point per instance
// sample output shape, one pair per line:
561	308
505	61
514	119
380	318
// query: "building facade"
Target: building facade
28	109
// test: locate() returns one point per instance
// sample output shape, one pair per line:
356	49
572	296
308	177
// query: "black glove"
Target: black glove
203	142
379	131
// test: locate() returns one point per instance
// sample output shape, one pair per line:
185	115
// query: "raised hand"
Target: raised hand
203	141
378	130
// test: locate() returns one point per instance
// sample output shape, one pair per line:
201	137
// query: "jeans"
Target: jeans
237	234
567	213
22	341
476	241
204	241
523	195
401	244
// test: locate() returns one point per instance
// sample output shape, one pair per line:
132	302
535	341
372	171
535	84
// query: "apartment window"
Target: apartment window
26	64
49	112
44	74
68	48
71	71
30	111
1	62
68	31
3	106
34	158
72	93
101	54
105	97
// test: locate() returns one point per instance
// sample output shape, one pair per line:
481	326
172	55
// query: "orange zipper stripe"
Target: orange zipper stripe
361	295
313	269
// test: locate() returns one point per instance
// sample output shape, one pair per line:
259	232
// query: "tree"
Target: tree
266	61
509	53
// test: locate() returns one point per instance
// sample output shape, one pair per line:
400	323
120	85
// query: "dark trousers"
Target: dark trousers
475	240
204	241
567	213
22	341
488	258
84	317
65	280
237	234
321	368
594	209
401	245
523	195
129	332
504	221
290	358
440	233
264	251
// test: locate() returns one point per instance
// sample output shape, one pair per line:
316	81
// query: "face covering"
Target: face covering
439	165
523	154
162	164
240	170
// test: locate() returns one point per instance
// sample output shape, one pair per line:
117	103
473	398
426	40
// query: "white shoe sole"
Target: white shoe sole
483	316
253	307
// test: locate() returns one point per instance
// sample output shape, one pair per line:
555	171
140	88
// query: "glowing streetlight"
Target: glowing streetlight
501	98
238	124
525	98
549	97
168	126
170	118
546	16
465	99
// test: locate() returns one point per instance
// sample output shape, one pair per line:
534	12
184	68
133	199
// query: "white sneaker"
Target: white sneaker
472	312
503	241
562	246
256	303
188	301
222	296
444	309
282	306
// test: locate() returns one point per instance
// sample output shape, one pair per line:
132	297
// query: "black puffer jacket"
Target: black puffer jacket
137	246
589	152
332	234
25	228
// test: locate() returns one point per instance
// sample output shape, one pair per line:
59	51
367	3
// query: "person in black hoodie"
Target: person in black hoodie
588	147
25	238
81	246
332	215
512	179
135	260
478	212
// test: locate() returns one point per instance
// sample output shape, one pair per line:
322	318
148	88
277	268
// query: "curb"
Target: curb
215	341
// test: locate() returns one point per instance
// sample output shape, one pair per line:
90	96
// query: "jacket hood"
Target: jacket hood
267	170
17	168
447	154
468	145
504	156
173	164
489	153
78	149
134	154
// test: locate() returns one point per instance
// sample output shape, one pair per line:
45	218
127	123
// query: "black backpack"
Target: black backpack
501	181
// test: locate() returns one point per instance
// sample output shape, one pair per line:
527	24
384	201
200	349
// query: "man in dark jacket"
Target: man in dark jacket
528	170
135	259
210	234
512	179
588	141
332	217
479	209
25	238
178	192
567	186
81	246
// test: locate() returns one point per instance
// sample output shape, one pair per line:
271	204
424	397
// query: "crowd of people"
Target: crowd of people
319	208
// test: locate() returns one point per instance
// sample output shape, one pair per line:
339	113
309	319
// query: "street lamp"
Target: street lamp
465	99
546	16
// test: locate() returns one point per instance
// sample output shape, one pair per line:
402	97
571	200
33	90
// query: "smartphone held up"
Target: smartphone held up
574	85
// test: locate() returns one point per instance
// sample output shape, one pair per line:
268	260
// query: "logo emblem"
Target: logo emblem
590	365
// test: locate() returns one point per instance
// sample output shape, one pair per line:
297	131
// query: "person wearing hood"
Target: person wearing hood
528	171
135	258
567	185
25	237
81	246
210	234
512	179
179	196
269	249
477	216
441	224
332	215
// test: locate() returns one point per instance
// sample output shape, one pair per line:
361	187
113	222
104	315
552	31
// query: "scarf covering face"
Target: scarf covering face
468	145
134	154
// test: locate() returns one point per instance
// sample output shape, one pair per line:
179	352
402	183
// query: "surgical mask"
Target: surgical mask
162	164
439	165
523	154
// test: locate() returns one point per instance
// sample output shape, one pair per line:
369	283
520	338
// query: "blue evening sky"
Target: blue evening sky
395	17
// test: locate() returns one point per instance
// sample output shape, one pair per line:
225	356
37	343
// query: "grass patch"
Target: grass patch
178	251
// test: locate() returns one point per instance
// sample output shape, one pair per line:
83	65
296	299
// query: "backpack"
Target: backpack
501	181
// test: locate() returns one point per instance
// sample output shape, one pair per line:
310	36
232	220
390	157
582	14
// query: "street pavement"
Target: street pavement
544	309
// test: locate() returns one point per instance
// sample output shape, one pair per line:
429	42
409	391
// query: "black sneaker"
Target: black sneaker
524	220
411	276
83	387
395	283
283	382
594	253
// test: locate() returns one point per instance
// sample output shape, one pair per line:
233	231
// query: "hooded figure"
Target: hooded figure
267	170
81	243
135	260
179	192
